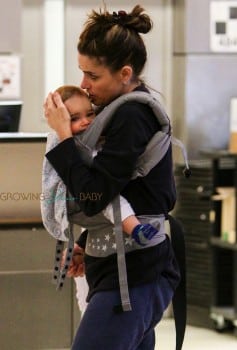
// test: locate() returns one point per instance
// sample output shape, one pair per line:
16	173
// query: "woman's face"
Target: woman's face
101	85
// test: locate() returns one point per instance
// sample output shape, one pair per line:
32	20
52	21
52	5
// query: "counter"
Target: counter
29	302
22	137
21	158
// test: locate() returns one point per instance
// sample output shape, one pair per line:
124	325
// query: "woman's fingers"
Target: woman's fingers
76	270
50	102
58	117
77	266
79	271
56	98
49	105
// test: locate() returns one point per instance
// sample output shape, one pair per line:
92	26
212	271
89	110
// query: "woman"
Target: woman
112	55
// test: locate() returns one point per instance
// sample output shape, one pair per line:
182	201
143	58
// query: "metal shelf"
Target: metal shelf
220	243
224	300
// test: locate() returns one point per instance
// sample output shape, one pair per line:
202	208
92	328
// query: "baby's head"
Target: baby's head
78	106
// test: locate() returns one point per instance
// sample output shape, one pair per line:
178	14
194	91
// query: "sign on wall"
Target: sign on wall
223	26
9	77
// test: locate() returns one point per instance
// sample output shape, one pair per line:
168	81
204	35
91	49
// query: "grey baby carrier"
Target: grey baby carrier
154	152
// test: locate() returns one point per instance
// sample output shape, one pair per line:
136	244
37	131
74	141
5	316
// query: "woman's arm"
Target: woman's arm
95	187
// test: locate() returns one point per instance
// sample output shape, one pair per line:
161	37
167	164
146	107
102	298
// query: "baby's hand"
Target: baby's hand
142	234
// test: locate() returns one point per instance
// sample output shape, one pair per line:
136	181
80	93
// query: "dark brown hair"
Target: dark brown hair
67	91
114	39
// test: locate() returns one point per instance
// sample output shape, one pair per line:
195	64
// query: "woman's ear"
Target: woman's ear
126	74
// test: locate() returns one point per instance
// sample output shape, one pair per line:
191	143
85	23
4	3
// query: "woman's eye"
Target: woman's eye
93	77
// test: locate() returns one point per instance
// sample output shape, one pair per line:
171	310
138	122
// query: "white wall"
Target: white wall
10	23
32	66
158	41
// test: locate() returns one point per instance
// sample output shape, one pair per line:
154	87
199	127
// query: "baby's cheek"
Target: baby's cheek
76	127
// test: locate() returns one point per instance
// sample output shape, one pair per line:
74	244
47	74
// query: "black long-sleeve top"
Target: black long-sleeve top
126	137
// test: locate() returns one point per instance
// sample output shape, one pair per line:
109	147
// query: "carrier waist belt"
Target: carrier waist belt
101	240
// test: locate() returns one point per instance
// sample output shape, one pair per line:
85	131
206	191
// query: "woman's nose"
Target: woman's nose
84	83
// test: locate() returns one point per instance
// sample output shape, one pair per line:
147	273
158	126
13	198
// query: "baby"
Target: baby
82	115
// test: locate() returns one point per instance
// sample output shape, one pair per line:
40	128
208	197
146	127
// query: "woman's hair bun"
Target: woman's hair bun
115	40
138	20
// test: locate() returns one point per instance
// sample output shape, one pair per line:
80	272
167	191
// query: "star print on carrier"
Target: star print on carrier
107	242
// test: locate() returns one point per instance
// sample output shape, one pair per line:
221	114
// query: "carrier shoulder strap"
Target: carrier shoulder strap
156	147
91	135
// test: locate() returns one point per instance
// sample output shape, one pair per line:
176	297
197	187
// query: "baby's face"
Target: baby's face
81	112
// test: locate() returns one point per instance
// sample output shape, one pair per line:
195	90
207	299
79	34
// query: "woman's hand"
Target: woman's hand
57	116
77	266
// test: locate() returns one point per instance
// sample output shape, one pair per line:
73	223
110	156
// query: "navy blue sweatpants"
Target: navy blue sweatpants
103	329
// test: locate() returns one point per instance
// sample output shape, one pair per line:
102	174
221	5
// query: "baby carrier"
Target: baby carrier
59	221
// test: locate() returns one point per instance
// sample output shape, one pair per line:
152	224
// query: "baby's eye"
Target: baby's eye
74	119
90	114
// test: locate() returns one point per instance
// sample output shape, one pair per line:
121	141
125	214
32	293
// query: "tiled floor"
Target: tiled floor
195	338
